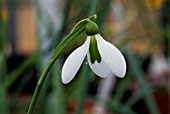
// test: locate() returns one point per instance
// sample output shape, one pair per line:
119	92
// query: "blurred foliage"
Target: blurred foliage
139	28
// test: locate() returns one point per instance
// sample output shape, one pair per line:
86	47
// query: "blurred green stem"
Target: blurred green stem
59	89
3	62
133	99
104	12
122	87
15	74
76	31
168	50
145	89
119	108
83	88
65	21
93	6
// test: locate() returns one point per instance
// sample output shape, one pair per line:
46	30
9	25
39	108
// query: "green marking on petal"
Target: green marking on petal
94	53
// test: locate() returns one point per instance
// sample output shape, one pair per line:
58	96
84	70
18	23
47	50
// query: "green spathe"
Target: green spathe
94	53
91	28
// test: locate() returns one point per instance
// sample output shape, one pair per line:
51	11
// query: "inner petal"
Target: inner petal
94	53
100	69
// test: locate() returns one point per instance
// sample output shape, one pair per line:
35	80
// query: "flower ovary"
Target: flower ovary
91	28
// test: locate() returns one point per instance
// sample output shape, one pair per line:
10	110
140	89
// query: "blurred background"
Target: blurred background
31	30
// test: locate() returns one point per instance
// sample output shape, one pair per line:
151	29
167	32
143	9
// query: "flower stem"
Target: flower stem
77	30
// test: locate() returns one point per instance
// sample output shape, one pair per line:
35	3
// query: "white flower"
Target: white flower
110	60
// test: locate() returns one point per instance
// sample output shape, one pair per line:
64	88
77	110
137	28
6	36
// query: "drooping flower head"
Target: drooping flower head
103	57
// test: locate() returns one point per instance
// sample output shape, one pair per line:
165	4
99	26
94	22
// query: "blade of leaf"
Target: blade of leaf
145	88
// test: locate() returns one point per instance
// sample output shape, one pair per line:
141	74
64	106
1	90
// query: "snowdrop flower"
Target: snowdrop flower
103	57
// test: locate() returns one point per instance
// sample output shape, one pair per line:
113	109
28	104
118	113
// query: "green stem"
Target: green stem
77	30
122	87
4	109
125	109
104	13
168	45
15	74
59	89
83	89
145	89
93	6
65	17
133	99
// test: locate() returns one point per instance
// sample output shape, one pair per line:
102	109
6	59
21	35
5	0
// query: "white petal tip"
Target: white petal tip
65	80
122	76
121	73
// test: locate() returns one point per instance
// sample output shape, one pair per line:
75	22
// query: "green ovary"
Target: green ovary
94	53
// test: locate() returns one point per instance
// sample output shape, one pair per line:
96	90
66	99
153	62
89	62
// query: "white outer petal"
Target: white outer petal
111	56
74	61
101	69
